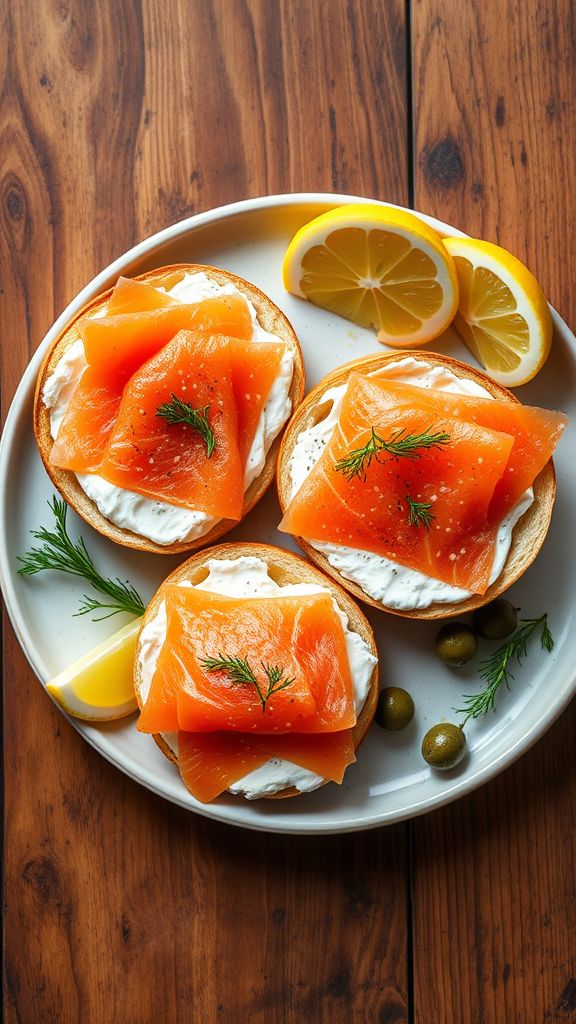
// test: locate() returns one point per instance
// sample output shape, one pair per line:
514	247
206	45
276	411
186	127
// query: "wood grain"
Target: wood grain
494	886
117	119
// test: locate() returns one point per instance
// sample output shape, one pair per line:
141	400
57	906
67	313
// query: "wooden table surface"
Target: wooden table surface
117	119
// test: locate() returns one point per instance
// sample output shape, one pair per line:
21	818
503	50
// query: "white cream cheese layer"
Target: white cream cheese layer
157	520
392	584
248	577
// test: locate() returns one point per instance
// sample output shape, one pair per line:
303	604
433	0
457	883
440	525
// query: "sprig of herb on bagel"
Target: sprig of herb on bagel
419	513
495	670
178	411
239	671
61	553
400	445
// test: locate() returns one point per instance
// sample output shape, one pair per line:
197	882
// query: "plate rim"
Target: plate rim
454	789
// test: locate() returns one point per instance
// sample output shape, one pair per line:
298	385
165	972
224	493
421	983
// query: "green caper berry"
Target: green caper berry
444	746
395	708
456	643
496	620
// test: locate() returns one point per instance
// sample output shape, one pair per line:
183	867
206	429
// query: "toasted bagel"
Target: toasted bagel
528	535
284	567
271	319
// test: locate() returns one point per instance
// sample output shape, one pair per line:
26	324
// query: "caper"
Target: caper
496	620
444	745
456	643
395	708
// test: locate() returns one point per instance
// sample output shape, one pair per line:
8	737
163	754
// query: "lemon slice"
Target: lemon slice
99	686
503	316
378	266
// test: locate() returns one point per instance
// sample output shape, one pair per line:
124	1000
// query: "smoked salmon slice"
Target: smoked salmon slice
254	367
122	342
428	512
171	461
131	296
88	422
211	762
536	432
295	672
142	323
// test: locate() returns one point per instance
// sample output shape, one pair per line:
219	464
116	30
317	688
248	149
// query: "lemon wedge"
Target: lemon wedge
377	266
503	316
99	686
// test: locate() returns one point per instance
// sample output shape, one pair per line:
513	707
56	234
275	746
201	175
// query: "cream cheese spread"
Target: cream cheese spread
388	582
248	577
159	521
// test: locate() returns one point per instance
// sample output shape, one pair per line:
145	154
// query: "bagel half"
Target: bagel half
528	535
271	319
284	567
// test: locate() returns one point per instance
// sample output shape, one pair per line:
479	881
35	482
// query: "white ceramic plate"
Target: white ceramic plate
390	781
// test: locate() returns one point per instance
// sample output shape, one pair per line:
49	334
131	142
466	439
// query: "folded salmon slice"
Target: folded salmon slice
211	762
130	296
91	416
301	638
88	422
452	484
171	461
536	432
123	341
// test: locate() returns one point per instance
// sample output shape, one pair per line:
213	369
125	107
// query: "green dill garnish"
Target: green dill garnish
177	411
239	670
400	445
60	552
495	669
419	513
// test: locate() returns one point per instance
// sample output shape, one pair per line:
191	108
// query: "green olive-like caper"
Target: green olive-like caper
456	643
444	745
496	620
395	708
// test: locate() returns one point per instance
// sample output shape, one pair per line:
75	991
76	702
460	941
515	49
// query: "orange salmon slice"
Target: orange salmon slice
300	636
88	422
211	762
170	461
254	367
131	296
123	341
374	511
536	432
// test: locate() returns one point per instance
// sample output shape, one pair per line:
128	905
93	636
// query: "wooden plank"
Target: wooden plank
495	876
116	120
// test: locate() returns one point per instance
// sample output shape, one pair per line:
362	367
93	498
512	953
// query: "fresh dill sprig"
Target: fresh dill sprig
60	552
177	411
239	670
400	445
419	513
495	669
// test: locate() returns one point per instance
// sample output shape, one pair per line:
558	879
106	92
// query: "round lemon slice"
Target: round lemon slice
503	316
377	266
99	686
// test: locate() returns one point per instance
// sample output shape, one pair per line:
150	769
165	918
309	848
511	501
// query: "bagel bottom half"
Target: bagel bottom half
284	568
269	317
528	534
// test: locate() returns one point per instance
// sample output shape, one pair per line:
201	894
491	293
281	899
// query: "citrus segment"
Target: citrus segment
503	316
99	686
377	266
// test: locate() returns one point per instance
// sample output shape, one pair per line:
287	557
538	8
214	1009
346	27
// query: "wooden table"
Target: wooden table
119	118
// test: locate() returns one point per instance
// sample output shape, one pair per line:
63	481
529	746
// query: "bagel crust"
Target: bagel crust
284	568
528	534
271	319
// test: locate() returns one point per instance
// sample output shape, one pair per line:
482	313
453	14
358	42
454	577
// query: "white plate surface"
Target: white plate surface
390	781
